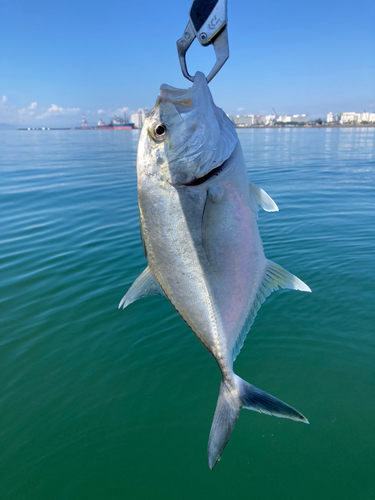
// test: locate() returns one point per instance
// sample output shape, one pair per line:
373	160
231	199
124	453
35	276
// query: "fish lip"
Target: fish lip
205	178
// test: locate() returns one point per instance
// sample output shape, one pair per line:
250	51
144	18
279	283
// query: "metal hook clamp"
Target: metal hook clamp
207	23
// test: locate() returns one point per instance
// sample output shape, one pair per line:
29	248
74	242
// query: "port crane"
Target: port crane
277	116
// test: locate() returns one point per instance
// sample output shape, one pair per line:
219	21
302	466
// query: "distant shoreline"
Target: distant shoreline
323	125
314	126
46	129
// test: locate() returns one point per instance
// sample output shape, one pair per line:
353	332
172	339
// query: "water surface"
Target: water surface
97	403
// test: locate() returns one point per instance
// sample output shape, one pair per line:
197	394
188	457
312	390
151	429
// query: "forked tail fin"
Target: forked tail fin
225	418
228	409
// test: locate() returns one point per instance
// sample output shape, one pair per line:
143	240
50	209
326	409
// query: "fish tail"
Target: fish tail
225	418
228	409
255	399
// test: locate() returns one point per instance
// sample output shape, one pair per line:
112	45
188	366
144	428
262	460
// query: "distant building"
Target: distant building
248	120
331	118
260	120
243	121
292	118
350	117
139	117
353	117
270	119
299	118
368	117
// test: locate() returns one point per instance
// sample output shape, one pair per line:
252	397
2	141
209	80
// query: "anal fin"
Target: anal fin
144	286
274	277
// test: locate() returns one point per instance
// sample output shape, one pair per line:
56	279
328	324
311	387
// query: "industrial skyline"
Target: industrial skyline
138	117
240	121
342	118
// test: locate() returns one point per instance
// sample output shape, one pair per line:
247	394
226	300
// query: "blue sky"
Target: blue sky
59	59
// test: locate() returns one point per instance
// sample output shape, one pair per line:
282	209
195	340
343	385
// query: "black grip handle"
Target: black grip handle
200	11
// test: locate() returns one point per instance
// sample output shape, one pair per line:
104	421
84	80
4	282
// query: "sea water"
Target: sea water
101	403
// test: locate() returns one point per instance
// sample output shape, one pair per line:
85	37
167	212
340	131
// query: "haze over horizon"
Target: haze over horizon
59	60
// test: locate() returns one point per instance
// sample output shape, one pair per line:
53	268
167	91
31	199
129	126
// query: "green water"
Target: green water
97	403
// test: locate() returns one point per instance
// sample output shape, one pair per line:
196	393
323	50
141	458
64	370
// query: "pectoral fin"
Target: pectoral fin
143	286
262	198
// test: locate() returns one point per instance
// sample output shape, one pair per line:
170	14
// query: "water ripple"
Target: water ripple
82	380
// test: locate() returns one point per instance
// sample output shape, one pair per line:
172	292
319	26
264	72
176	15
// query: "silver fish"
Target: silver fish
200	237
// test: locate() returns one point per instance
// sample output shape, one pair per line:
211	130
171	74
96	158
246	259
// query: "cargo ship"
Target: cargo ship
116	124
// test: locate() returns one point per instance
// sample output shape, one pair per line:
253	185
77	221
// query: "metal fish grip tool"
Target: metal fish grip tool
207	23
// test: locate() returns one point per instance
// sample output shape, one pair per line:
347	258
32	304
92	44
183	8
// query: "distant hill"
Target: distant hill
6	126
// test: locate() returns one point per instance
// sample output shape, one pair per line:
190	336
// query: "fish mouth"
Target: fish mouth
205	178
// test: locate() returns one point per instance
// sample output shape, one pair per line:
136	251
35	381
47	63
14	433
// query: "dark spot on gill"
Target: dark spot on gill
203	212
212	173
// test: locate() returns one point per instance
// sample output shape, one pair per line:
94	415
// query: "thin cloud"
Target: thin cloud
55	110
30	111
10	113
15	114
121	111
118	112
240	109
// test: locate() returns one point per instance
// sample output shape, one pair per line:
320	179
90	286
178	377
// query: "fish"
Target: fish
198	221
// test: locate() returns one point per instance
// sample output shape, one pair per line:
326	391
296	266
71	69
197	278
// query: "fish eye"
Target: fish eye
159	131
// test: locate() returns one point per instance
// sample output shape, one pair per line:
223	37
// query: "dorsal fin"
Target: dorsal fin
262	198
274	277
143	286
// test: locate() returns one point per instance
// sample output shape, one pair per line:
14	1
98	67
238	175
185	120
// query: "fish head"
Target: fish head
185	136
